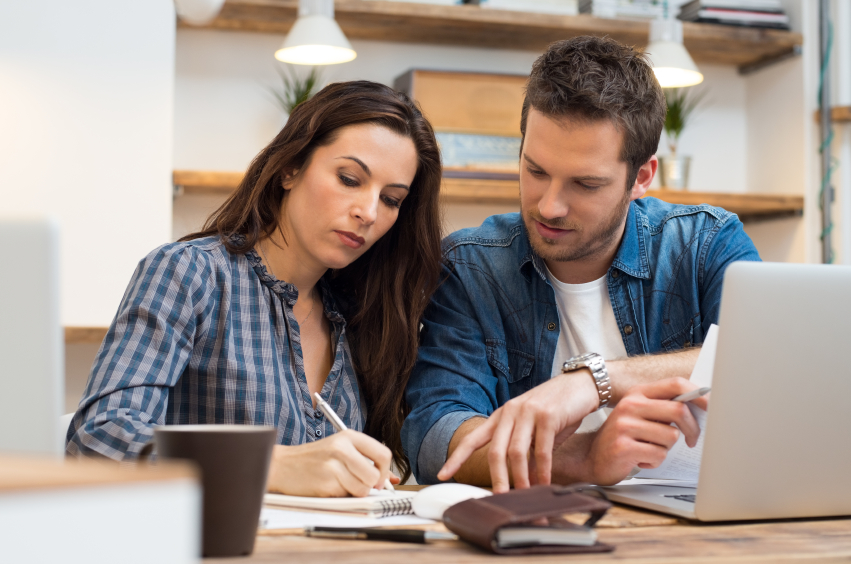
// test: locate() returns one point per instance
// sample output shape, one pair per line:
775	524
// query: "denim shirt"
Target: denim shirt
491	330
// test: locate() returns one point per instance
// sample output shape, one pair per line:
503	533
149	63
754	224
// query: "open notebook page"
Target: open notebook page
273	518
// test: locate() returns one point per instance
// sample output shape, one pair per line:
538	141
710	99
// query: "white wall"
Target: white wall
224	113
86	100
717	133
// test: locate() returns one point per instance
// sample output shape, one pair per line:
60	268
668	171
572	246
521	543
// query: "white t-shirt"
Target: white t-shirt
587	324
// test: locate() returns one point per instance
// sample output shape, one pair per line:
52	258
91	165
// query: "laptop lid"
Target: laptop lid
778	436
31	341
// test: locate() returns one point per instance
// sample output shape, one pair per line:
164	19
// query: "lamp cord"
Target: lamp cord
827	228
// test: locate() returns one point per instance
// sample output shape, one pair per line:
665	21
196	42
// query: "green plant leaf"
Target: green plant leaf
680	108
294	89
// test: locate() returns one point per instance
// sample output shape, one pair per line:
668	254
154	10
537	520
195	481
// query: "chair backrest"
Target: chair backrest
64	423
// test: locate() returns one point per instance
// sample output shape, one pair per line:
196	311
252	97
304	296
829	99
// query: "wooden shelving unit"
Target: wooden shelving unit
474	190
470	25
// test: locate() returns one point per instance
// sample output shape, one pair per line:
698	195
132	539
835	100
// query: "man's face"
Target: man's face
573	192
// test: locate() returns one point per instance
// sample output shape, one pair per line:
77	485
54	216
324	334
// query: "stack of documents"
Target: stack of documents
749	13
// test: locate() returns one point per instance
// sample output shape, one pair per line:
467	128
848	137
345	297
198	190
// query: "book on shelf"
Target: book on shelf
558	7
748	13
438	2
748	5
643	9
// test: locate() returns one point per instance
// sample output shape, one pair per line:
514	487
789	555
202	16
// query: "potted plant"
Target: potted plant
295	89
673	168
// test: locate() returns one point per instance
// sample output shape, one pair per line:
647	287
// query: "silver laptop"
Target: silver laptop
777	440
31	343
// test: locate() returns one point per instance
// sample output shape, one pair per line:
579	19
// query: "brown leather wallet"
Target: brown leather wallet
478	520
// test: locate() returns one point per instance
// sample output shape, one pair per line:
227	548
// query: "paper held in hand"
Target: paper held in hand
682	462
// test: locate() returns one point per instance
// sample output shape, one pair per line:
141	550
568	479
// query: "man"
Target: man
587	273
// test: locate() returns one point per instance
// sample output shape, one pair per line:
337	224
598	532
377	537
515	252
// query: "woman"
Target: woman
316	269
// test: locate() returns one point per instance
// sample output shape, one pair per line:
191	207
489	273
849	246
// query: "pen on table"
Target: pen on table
340	426
692	395
396	535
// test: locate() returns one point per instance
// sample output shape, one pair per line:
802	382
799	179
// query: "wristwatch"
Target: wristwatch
597	366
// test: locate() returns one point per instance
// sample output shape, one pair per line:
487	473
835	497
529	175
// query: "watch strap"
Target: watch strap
595	363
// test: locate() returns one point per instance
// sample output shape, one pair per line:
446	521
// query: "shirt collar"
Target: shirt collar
529	259
289	293
631	257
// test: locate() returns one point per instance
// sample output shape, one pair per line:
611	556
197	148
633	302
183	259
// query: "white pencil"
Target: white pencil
340	426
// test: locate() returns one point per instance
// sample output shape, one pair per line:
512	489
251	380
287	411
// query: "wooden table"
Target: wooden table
640	537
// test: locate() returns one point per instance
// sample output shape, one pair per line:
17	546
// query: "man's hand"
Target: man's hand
538	420
336	466
639	430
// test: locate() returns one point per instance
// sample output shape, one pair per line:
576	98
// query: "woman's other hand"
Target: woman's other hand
346	463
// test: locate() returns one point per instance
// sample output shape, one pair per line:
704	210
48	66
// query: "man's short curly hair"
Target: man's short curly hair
592	78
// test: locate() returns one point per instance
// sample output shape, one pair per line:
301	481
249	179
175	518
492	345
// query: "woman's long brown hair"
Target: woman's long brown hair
385	291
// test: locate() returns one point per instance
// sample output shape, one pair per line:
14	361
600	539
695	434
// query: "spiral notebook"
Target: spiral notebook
376	504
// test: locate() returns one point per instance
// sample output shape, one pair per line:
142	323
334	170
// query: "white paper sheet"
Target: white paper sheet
682	462
653	482
284	519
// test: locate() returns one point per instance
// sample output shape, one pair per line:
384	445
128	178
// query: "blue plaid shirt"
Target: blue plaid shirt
205	336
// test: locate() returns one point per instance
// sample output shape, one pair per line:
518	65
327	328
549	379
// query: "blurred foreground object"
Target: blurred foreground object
83	511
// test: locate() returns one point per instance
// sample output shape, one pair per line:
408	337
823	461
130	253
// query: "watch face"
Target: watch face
577	362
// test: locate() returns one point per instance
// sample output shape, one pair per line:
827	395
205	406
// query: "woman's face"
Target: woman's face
348	195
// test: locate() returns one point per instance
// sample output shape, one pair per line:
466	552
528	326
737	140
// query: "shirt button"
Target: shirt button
551	326
687	344
318	432
627	329
317	414
615	274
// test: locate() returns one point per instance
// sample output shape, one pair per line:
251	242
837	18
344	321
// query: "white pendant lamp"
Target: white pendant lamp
198	12
671	62
315	38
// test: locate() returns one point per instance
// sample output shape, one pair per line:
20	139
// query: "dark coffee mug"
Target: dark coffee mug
234	463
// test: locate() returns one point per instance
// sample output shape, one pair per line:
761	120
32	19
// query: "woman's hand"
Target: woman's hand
336	466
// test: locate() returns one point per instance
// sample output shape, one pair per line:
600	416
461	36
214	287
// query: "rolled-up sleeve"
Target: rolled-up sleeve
143	354
433	451
451	381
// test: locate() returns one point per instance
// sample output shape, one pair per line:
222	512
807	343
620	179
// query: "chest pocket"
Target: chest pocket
683	338
513	364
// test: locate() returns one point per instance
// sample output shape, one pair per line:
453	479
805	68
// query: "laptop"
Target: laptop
31	342
777	439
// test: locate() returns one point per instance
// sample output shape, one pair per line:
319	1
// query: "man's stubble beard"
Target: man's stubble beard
599	243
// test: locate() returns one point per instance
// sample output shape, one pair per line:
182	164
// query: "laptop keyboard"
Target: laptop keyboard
684	497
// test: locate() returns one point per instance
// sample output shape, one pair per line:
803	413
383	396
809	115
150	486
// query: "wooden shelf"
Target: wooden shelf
485	191
85	335
838	114
470	25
